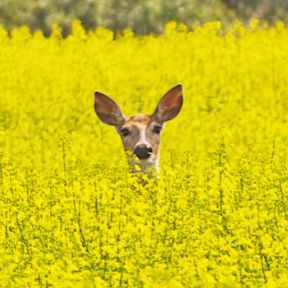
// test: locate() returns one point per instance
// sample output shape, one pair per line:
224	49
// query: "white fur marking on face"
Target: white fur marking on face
142	136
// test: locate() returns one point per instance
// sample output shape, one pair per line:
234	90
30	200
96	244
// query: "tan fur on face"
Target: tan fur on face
136	124
139	119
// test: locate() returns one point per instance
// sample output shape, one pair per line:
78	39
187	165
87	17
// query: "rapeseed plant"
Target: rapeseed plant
72	214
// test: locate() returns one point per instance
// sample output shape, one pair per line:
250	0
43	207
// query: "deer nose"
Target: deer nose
143	151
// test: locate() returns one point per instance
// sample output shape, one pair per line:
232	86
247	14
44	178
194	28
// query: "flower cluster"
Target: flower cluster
72	215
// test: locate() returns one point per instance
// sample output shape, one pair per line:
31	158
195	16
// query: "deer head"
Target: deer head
140	134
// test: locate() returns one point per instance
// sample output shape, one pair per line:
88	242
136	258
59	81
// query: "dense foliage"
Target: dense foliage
70	213
142	16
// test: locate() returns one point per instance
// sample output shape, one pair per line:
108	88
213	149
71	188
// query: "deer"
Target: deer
140	134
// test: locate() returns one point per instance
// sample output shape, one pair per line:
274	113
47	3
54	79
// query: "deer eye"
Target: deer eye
125	132
157	129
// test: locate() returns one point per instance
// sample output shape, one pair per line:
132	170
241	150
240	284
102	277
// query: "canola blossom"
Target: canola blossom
71	214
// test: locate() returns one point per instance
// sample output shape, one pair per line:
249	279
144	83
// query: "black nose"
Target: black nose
142	151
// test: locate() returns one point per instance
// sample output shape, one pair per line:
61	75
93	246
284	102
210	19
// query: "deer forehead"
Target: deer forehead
140	123
139	120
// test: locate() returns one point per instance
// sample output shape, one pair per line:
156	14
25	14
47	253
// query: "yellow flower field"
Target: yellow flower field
71	215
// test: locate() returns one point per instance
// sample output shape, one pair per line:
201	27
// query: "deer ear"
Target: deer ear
170	104
107	109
